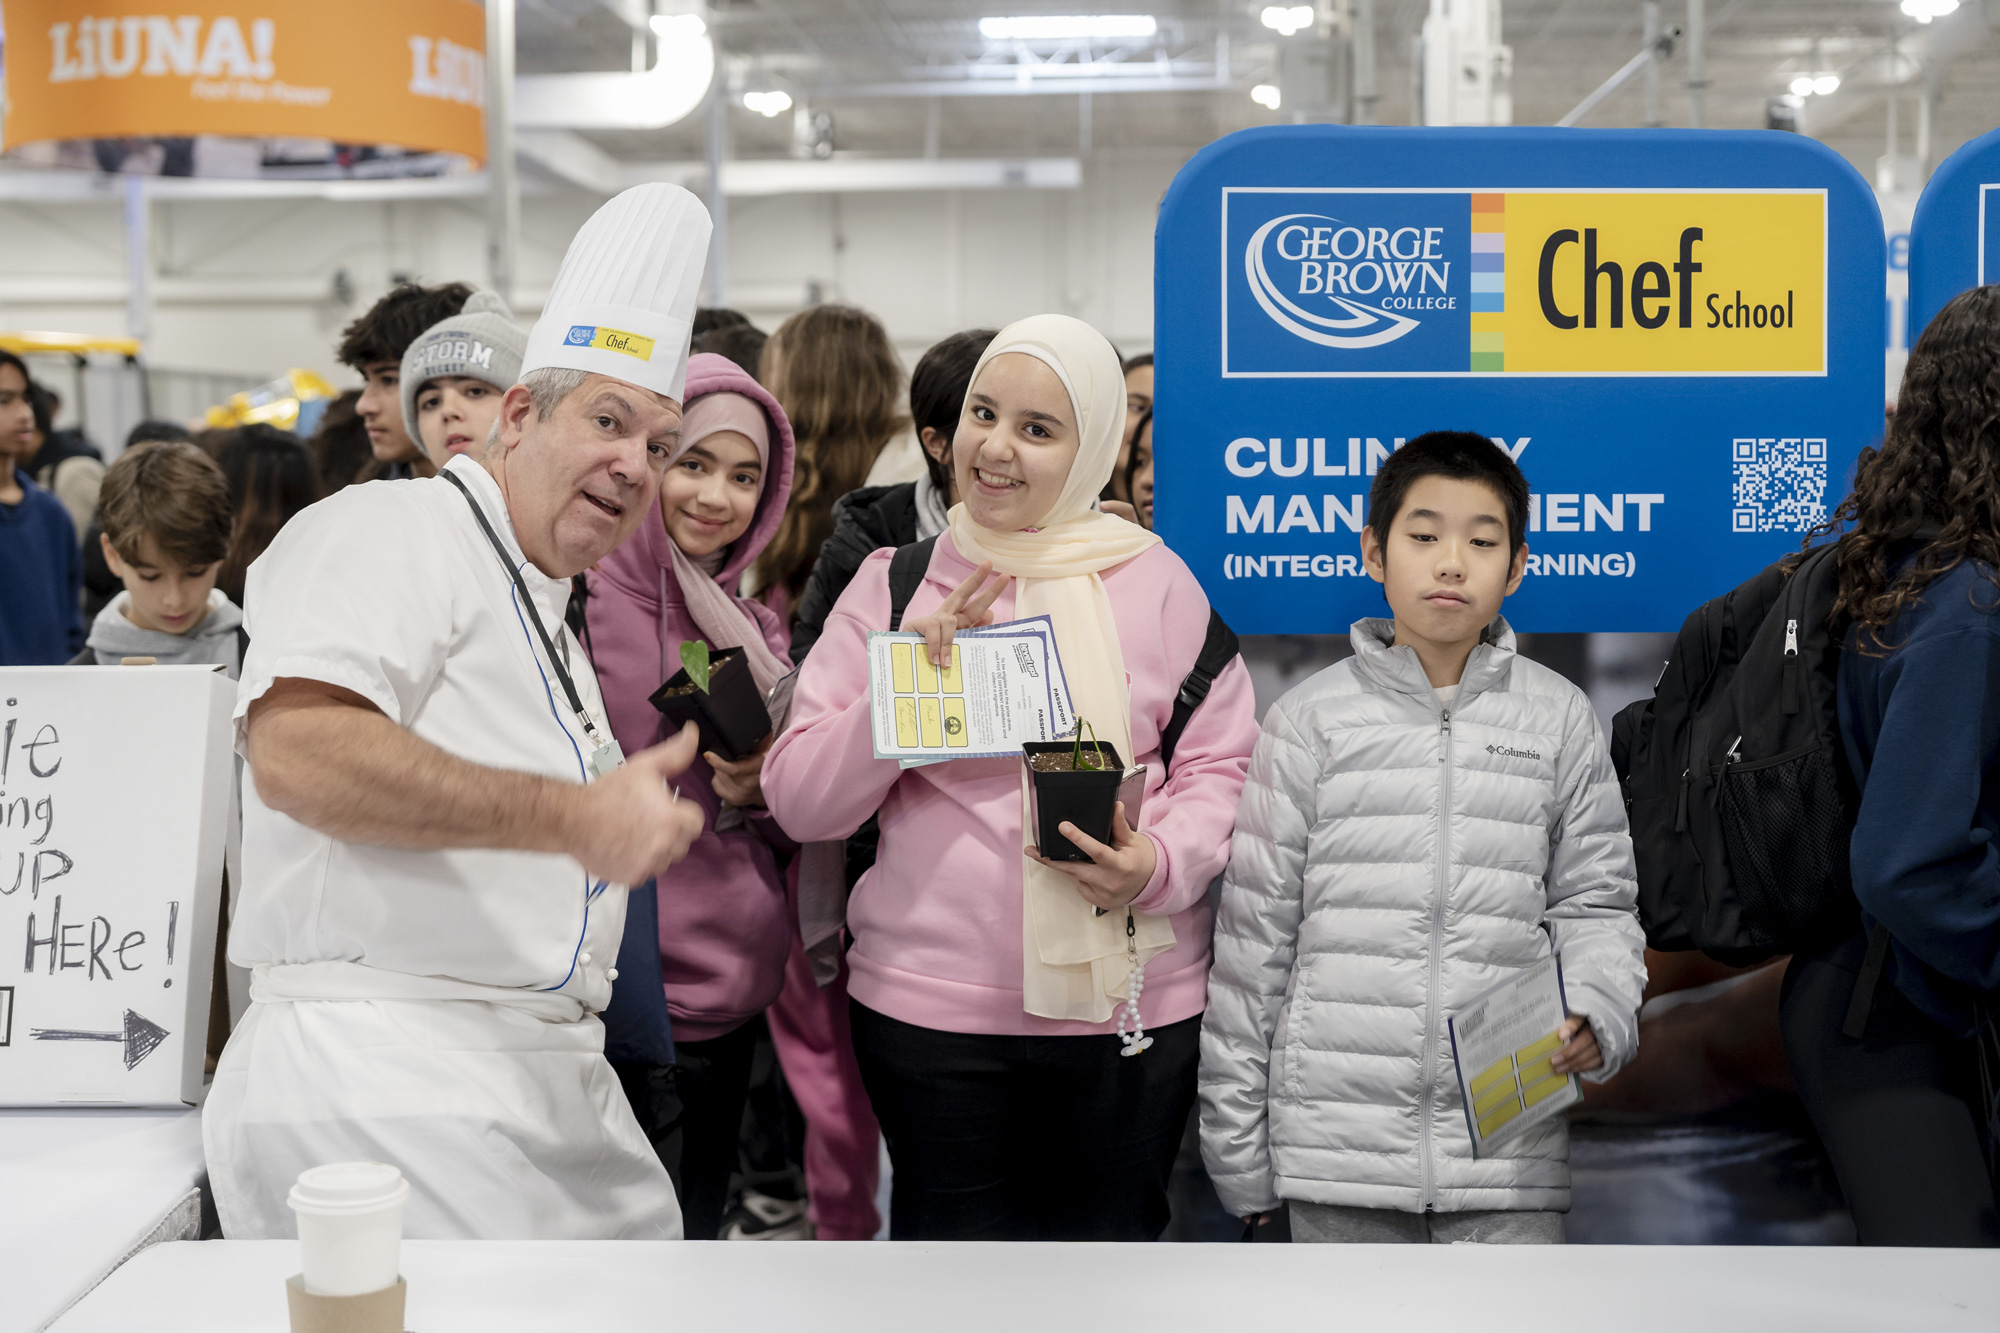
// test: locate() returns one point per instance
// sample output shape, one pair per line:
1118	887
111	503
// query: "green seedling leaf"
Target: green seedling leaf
1077	762
694	656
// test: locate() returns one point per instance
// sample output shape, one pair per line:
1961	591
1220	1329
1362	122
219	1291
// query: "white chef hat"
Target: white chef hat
624	299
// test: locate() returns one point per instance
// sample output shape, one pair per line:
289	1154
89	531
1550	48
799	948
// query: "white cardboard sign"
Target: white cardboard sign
115	787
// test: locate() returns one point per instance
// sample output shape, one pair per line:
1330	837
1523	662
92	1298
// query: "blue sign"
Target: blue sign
1675	333
1955	237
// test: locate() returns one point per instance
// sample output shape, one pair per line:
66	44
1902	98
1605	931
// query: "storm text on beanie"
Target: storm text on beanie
480	342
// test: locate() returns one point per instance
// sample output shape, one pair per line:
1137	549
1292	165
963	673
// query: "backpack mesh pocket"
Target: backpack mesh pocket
1785	831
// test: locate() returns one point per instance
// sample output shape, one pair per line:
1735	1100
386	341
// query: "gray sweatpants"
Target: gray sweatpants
1326	1223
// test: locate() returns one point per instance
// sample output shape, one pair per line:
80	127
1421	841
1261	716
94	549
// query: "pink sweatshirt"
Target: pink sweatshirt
725	917
937	922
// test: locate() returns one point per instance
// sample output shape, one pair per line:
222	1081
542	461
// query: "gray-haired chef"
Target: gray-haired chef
438	828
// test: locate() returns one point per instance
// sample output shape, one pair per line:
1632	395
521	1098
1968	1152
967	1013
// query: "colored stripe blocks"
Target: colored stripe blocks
1489	281
1516	1083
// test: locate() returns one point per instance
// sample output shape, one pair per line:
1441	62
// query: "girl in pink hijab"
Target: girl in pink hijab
724	924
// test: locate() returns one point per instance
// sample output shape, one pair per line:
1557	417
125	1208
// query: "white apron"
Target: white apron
495	1103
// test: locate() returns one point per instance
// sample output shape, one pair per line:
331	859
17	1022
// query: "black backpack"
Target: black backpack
1737	792
906	574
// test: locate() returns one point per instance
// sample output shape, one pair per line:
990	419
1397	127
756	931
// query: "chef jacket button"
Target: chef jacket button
584	959
611	974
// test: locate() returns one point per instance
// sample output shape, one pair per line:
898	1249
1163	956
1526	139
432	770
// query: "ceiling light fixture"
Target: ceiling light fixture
1923	11
1066	27
768	104
1286	20
1809	85
1266	95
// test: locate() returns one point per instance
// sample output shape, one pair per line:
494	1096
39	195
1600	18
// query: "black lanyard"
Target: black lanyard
534	616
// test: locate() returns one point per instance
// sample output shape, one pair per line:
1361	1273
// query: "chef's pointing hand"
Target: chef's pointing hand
631	825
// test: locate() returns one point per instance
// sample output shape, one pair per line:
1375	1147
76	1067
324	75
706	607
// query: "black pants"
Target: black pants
1027	1138
692	1112
1894	1109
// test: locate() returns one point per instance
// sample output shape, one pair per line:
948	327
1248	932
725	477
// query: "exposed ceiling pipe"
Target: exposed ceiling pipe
1363	53
574	159
669	92
1663	47
138	260
1649	12
578	162
774	176
1038	86
503	186
1697	62
716	161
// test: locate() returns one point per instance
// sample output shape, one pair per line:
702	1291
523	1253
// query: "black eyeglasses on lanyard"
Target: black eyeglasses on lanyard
607	756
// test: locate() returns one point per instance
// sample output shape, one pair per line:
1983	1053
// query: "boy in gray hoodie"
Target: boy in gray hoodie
166	518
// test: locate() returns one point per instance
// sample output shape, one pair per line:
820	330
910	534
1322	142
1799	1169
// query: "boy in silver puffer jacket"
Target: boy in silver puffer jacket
1421	820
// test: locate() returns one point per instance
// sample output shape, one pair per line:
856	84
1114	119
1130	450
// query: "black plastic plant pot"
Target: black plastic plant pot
731	715
1084	797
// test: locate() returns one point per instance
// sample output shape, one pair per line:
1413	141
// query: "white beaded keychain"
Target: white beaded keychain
1136	1040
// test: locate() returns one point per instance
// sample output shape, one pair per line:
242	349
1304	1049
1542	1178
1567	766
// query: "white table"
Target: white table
883	1287
80	1190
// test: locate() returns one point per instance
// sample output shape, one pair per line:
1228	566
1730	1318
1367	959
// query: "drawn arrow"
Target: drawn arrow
141	1036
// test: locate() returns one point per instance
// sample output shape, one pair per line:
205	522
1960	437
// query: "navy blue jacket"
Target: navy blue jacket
41	581
638	1028
1921	727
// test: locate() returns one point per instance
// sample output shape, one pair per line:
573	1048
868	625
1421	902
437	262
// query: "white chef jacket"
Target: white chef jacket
432	1009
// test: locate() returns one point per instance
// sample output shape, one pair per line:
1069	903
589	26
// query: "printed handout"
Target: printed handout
1503	1041
1004	686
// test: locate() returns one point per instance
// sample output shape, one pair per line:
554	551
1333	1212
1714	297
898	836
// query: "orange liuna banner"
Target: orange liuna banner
404	72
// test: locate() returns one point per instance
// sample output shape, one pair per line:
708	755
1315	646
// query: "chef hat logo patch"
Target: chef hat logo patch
611	340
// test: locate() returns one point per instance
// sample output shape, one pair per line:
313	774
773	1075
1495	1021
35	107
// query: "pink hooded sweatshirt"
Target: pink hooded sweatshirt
725	921
937	922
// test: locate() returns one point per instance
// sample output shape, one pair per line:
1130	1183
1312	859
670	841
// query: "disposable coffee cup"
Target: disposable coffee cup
350	1226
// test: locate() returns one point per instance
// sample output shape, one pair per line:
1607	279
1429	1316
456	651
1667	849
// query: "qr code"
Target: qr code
1780	484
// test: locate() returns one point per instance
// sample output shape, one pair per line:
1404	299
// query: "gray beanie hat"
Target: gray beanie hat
480	342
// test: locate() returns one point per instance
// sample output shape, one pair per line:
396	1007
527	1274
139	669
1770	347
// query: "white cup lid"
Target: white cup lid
349	1187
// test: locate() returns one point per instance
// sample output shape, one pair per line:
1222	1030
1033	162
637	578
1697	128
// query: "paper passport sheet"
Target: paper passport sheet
1502	1041
1004	687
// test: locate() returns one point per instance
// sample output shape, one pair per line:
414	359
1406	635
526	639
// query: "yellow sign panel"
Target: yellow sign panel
407	72
1630	283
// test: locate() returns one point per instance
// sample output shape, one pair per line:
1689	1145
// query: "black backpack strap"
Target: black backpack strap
906	574
1216	652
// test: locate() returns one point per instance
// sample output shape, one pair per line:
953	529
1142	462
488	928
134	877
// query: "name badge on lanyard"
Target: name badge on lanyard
606	758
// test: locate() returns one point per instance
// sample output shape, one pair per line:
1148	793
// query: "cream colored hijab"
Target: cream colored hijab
1074	962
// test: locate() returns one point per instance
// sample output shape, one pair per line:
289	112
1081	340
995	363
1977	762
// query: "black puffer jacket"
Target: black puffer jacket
863	521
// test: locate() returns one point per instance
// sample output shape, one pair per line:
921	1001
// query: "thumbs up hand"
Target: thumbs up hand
631	826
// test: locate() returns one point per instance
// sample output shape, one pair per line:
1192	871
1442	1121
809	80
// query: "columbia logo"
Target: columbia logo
1513	753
